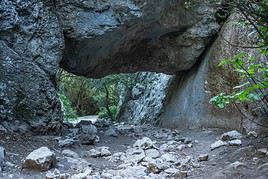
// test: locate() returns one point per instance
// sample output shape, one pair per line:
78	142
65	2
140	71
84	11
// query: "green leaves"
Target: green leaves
84	96
68	111
253	75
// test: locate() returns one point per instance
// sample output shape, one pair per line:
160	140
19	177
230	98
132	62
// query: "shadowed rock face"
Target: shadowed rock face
31	43
104	37
101	37
182	100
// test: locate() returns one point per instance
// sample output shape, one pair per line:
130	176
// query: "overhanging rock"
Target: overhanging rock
104	37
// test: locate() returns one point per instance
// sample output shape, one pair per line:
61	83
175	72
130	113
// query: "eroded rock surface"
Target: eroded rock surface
104	37
31	43
182	101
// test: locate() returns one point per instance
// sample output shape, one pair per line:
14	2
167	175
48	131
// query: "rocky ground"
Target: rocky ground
126	151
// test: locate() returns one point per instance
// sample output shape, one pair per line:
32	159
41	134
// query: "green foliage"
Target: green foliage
103	113
252	70
254	78
68	111
188	4
100	94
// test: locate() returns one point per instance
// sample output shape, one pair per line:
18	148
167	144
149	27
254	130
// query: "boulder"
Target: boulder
144	143
94	153
152	153
87	134
41	159
100	152
203	157
168	157
236	142
231	135
252	134
133	155
218	144
89	129
104	151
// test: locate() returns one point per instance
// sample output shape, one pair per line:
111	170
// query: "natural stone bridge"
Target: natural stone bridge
99	37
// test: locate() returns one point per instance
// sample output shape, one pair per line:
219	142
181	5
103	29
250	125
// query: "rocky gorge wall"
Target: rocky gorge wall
187	94
95	38
91	38
31	44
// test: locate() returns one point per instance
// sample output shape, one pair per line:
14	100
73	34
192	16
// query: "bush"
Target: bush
68	111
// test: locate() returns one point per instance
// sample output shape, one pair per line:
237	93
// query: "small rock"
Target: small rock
153	168
252	134
70	153
53	175
170	158
183	174
187	140
132	171
231	135
85	174
203	157
236	165
134	155
152	153
41	159
235	142
100	152
262	151
172	171
9	164
3	129
144	143
181	147
2	154
185	160
190	145
111	132
94	153
218	144
104	151
67	142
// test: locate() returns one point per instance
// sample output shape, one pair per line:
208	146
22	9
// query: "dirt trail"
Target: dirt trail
225	162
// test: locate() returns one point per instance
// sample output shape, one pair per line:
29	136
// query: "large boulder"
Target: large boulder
104	37
31	43
41	159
